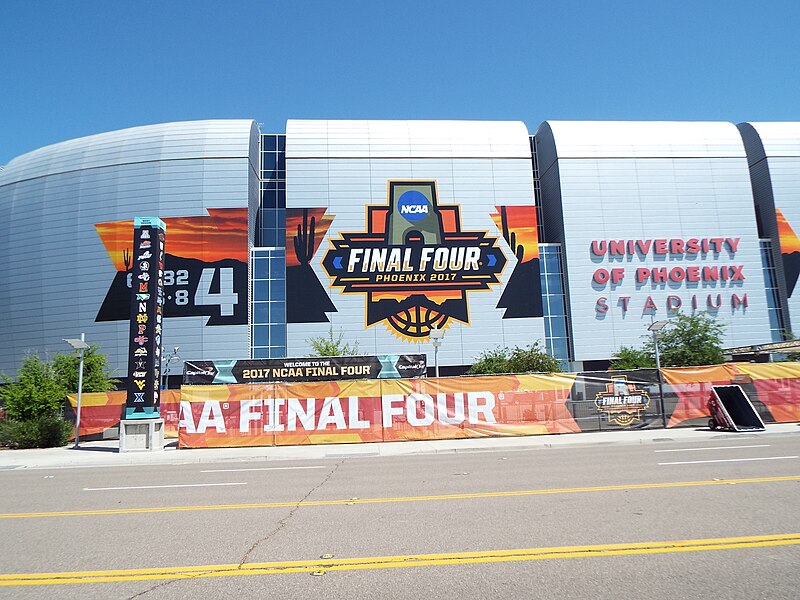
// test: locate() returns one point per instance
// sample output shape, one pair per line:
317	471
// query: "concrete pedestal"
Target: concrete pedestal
141	435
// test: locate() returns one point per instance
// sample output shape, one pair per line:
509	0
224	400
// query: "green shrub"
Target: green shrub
532	359
332	345
35	392
45	431
629	358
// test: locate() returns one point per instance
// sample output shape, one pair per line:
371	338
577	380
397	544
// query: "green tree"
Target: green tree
33	401
628	358
96	377
531	359
35	393
690	340
332	345
687	340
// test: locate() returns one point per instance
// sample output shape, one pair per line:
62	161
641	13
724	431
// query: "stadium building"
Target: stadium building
578	235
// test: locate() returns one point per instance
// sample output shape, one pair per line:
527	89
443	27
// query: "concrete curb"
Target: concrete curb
106	453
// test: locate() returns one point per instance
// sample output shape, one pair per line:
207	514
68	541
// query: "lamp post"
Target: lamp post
78	344
437	335
165	375
655	327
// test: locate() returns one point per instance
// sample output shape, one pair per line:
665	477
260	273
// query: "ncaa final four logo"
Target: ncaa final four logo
414	263
622	402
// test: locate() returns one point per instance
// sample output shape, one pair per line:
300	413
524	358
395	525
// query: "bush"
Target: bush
332	345
531	359
628	358
45	431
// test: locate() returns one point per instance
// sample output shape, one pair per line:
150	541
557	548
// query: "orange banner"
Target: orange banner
776	386
356	411
102	410
692	385
374	410
773	388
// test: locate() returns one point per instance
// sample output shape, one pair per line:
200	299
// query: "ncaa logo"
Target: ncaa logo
413	205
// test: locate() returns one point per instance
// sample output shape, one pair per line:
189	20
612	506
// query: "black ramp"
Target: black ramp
738	406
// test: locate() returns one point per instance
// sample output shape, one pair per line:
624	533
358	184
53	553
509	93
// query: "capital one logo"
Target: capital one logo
414	264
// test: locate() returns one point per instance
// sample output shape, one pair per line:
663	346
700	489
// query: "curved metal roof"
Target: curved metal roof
646	139
779	138
407	139
228	138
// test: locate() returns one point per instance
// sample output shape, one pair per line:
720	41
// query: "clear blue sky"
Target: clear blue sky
69	69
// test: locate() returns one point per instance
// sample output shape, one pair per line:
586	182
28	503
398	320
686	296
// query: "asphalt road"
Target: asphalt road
668	520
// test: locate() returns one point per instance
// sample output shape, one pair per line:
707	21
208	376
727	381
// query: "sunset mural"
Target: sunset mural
789	240
204	270
521	222
294	229
220	235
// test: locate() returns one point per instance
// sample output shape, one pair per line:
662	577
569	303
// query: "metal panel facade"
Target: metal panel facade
781	154
342	168
59	265
396	226
656	216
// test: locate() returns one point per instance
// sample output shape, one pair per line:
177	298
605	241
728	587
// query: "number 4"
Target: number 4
226	298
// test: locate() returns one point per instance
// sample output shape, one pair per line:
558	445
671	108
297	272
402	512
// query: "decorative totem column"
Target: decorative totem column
147	310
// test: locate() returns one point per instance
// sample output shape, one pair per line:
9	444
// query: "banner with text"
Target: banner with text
373	411
332	368
327	412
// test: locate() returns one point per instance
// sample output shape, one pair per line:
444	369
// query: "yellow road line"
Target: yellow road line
393	562
308	503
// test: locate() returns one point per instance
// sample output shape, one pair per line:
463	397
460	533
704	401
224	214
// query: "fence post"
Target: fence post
661	398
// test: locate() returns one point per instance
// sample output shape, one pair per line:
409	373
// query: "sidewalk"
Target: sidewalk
106	453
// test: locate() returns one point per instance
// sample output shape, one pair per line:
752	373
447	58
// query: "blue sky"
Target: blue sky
69	69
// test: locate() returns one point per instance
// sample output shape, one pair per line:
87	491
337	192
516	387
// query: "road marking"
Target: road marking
160	487
713	448
261	469
722	460
351	501
394	562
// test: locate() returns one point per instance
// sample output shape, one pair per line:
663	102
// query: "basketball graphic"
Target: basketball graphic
418	321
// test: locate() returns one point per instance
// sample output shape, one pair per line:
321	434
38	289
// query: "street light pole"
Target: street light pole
655	328
437	335
78	345
165	373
